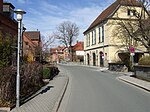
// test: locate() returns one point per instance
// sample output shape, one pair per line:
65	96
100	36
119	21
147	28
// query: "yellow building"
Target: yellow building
102	45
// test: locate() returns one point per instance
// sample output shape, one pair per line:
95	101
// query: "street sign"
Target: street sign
132	49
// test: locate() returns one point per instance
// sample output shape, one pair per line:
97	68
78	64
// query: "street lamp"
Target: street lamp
19	14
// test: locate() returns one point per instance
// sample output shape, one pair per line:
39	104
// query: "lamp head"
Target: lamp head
19	14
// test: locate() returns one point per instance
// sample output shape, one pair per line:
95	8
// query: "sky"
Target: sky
46	15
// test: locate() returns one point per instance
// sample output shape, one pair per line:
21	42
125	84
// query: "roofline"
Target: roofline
103	19
32	31
96	25
7	3
109	17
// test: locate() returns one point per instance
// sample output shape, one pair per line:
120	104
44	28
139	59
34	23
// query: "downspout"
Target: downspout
103	41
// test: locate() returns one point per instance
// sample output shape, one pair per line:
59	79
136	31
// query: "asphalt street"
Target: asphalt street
93	91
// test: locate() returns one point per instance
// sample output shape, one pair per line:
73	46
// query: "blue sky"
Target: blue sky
45	15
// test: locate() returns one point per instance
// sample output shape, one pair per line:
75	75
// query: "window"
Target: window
26	43
88	39
102	33
131	12
93	37
66	50
99	34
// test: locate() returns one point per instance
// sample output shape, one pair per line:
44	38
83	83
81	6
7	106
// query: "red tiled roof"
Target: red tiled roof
108	12
27	39
34	35
78	46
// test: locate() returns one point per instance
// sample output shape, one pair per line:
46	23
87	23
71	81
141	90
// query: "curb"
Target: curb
58	102
134	83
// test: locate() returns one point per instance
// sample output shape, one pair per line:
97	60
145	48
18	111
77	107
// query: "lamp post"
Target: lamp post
19	14
132	53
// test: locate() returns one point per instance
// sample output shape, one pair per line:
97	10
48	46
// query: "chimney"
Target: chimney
8	10
1	6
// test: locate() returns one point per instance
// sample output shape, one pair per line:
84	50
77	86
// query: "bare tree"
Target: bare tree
47	42
67	32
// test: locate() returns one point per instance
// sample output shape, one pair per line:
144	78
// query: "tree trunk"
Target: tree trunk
148	49
70	53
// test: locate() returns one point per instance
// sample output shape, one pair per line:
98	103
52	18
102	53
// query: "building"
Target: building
35	38
28	49
61	53
57	54
9	27
101	46
66	54
78	52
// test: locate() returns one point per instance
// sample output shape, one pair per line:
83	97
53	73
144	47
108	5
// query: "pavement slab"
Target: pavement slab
48	98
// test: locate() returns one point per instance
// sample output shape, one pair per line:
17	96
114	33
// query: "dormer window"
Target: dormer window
131	12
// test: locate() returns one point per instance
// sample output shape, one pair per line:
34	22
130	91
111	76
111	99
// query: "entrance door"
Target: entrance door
101	59
94	59
88	59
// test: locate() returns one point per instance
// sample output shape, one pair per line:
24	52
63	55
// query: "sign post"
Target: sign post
132	53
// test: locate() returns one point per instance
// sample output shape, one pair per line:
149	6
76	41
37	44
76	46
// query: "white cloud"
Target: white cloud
49	16
83	17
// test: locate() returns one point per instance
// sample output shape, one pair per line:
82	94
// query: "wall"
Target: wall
142	72
122	12
28	48
1	6
8	26
80	53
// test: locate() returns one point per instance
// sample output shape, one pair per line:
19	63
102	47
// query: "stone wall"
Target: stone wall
142	72
117	67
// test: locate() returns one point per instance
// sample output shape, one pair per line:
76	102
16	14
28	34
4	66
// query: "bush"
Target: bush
49	72
54	72
46	73
7	86
5	48
31	81
144	60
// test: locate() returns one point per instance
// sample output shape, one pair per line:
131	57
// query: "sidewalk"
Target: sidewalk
137	82
48	98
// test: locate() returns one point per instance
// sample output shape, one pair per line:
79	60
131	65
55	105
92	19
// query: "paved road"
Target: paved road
95	91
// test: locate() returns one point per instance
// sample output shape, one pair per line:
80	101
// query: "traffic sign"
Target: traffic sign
132	49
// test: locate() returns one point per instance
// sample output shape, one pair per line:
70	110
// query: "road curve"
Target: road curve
95	91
